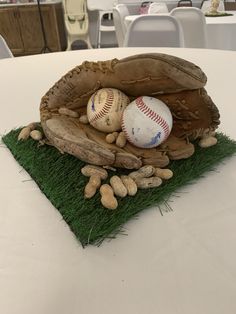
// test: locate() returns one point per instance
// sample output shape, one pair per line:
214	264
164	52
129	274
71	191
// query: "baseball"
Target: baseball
105	108
146	122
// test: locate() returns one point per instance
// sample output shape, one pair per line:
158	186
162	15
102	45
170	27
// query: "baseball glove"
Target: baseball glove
177	82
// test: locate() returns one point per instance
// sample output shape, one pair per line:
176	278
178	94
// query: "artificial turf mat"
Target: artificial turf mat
59	177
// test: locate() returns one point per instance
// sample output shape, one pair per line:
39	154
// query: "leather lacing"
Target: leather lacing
102	66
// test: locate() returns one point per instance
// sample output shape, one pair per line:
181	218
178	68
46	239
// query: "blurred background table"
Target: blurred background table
221	32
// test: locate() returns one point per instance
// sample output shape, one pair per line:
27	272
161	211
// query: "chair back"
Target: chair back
120	11
76	21
184	3
154	30
144	6
75	9
106	10
5	51
193	24
206	4
157	7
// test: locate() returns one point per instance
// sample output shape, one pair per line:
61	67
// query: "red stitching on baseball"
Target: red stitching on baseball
125	130
107	106
153	115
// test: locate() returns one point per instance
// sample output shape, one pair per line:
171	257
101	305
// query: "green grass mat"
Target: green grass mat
59	178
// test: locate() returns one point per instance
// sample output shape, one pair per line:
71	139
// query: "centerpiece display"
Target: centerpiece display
214	9
127	134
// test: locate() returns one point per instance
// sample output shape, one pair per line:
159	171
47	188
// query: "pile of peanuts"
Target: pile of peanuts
29	131
146	177
117	138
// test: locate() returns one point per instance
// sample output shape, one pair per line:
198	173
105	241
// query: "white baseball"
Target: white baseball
146	122
105	108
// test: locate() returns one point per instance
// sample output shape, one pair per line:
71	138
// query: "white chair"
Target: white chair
153	30
5	51
105	19
205	6
184	3
120	11
157	7
193	24
102	27
76	22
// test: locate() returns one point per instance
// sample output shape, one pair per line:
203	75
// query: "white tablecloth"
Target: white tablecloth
221	31
183	262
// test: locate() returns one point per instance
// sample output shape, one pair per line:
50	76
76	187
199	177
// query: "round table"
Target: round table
181	262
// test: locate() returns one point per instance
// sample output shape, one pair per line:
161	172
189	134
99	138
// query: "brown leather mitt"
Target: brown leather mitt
177	82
